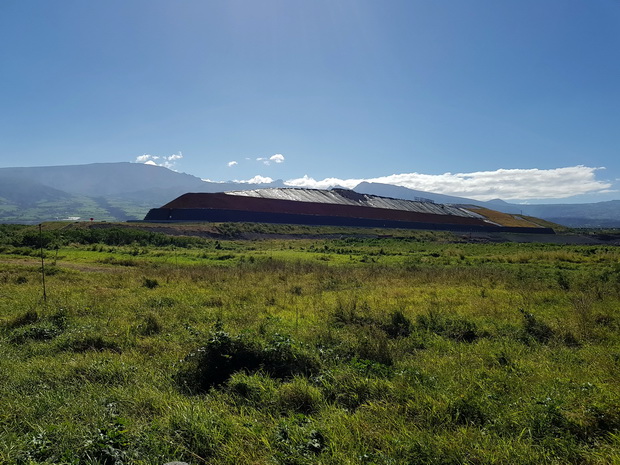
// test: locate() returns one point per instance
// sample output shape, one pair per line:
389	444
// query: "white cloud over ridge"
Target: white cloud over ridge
156	160
522	184
258	179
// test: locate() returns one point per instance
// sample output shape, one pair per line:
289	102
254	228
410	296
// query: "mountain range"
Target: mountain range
126	191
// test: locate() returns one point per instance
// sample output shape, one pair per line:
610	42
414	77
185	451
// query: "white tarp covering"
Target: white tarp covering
346	197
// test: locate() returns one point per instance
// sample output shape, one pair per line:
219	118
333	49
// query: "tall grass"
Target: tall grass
300	352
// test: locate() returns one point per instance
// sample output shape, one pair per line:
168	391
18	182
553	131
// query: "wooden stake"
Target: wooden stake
42	264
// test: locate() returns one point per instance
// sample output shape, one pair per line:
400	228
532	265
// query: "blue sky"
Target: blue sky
511	99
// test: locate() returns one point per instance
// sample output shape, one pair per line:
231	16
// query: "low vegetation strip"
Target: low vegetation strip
310	348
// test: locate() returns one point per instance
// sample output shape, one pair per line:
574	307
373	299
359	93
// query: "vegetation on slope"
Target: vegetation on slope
356	349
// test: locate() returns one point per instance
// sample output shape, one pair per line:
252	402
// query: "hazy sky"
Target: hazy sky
484	98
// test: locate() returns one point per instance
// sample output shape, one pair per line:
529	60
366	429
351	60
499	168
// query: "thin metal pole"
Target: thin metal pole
42	263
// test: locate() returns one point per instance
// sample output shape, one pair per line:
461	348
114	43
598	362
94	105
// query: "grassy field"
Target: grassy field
321	346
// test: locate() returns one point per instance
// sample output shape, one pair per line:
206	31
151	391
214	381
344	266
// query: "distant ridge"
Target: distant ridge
103	191
105	179
119	191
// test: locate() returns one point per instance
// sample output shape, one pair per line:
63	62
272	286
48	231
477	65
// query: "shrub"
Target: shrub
298	442
457	329
348	313
109	444
563	281
212	364
150	326
373	345
41	331
150	283
29	317
536	329
398	326
466	410
30	326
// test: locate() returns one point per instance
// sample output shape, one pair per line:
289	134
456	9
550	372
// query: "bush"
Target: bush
27	318
457	329
466	410
40	331
109	444
150	283
398	326
212	364
150	326
536	329
30	326
298	441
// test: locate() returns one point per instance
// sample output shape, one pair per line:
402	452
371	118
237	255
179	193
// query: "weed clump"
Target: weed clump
457	329
37	332
350	315
398	325
535	329
109	444
27	318
298	441
150	283
150	326
224	354
466	410
30	326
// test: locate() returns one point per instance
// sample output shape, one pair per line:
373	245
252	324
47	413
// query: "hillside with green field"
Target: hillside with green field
264	344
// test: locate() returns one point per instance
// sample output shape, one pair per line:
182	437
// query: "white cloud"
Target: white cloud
326	183
277	158
258	179
167	162
143	158
232	163
485	185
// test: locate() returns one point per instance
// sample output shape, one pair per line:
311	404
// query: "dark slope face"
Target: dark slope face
104	179
25	193
105	191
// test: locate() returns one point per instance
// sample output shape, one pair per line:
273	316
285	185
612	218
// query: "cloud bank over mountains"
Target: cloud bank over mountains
520	184
155	160
506	184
